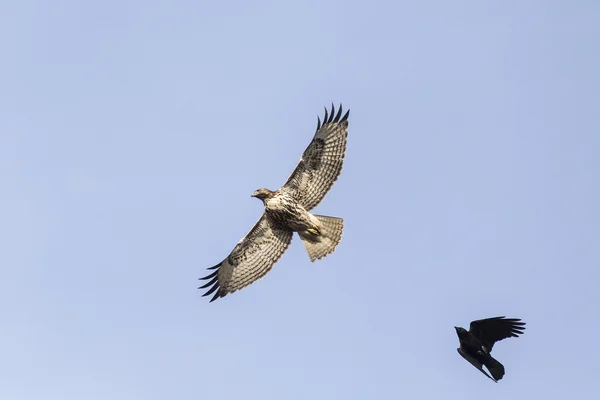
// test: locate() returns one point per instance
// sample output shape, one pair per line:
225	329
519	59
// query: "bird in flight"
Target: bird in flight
476	343
287	211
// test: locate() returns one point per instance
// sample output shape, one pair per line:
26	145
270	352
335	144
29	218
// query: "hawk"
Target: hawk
476	343
287	211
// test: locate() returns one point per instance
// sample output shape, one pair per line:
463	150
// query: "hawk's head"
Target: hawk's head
262	194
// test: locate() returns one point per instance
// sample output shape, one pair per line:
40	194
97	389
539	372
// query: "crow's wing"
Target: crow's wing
492	330
474	363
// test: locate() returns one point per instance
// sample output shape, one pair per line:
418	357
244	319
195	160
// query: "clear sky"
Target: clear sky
132	134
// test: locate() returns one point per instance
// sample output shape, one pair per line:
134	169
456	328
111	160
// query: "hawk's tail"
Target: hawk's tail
494	366
318	246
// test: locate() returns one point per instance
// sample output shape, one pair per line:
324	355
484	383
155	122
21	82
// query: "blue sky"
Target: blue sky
133	132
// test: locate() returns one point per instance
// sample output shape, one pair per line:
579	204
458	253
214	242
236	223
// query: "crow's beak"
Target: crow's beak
456	328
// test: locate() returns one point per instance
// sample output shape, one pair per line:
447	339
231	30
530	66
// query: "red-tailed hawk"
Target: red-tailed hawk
287	211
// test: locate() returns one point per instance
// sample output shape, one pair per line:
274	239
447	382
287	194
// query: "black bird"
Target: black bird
476	343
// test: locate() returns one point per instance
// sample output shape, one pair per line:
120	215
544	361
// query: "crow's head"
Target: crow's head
461	332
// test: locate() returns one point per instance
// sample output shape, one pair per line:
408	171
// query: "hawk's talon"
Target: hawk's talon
314	231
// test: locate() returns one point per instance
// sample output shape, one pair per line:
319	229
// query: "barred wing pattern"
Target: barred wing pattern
250	260
321	162
492	330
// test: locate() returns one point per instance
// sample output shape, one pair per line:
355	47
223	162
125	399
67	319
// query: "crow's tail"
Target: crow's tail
494	366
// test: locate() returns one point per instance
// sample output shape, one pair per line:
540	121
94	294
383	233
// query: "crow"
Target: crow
476	343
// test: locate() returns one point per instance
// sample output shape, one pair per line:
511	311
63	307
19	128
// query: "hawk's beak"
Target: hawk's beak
254	194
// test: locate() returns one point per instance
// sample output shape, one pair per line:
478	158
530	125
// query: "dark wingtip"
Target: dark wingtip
211	275
332	114
214	282
211	282
345	117
338	115
211	290
216	296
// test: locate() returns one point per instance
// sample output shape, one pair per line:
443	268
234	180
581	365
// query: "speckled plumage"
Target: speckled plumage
287	211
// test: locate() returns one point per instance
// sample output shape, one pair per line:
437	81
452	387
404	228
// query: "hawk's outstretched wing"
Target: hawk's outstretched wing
321	162
250	260
492	330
